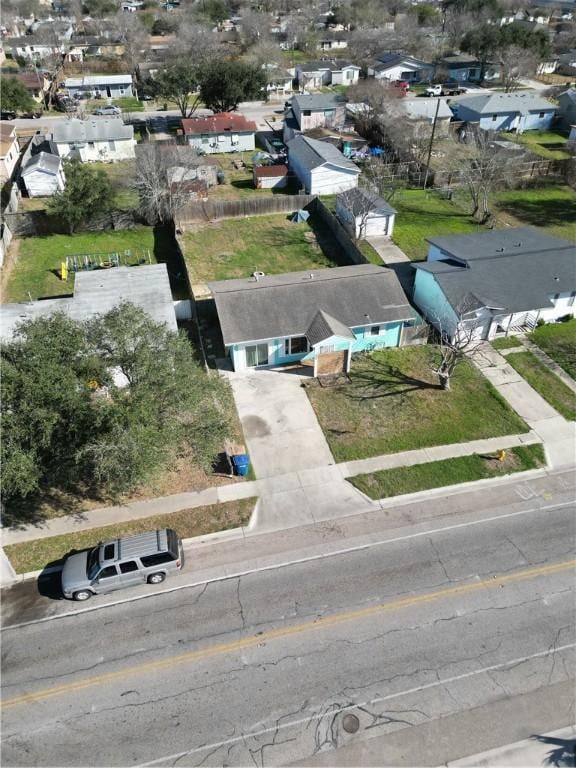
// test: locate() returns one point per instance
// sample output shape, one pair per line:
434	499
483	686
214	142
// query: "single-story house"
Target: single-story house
390	65
99	138
9	151
322	110
270	176
36	83
111	86
365	214
567	107
496	283
518	111
315	74
318	318
97	292
279	82
463	68
43	175
320	166
422	112
32	47
332	40
223	132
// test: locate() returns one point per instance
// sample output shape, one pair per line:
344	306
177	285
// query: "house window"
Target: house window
541	114
571	299
111	145
328	113
91	144
235	139
221	139
205	138
297	345
375	330
494	118
307	113
349	75
122	91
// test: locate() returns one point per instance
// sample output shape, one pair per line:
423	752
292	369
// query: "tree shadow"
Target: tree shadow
383	380
542	212
31	510
564	754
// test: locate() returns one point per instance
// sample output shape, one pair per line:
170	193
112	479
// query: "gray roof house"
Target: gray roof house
317	110
567	107
99	291
519	111
314	318
499	282
98	138
320	166
314	74
394	65
43	175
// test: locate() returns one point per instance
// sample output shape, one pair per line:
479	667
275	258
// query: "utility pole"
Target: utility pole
431	142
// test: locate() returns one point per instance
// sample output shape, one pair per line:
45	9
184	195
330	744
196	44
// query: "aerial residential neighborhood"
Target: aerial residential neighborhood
288	383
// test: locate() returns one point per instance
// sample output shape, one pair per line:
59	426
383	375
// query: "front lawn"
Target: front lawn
199	521
238	247
437	474
424	214
546	383
36	271
552	207
506	342
394	403
558	340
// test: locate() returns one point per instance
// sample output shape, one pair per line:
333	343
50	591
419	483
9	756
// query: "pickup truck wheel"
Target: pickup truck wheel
156	578
83	594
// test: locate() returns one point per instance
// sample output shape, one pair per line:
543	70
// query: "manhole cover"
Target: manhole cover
350	723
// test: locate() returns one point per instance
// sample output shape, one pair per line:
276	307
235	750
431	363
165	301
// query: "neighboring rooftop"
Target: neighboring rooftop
495	103
94	129
356	199
318	102
498	242
312	153
43	161
98	292
287	305
270	171
92	80
220	123
333	66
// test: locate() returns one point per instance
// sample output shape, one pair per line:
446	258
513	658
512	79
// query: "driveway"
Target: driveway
387	250
280	426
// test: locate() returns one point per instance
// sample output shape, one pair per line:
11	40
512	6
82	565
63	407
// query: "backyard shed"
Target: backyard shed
365	214
270	176
43	175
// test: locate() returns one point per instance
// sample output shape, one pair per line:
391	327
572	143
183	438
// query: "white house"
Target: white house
320	167
495	111
392	66
365	214
97	139
9	151
315	74
43	175
497	283
111	86
29	47
223	132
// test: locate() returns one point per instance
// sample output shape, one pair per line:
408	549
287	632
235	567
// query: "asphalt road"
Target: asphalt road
263	669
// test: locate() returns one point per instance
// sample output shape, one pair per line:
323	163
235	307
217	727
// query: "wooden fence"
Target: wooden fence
211	210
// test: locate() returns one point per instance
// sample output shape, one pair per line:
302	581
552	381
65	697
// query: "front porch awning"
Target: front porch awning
324	326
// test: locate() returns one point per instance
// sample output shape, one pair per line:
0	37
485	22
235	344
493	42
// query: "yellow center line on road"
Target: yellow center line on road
282	632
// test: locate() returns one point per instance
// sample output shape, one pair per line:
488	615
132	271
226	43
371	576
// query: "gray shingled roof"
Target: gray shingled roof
495	243
317	102
312	153
512	283
333	66
94	129
323	326
275	306
497	103
100	291
43	161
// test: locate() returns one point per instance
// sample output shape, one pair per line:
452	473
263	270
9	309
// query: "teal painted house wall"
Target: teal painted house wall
430	298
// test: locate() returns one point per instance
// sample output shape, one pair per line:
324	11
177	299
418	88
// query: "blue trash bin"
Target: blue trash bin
241	464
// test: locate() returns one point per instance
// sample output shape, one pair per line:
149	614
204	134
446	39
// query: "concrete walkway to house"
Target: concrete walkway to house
387	250
558	434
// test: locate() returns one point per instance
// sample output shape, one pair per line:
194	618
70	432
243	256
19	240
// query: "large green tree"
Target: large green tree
87	193
224	83
103	404
15	97
488	42
178	82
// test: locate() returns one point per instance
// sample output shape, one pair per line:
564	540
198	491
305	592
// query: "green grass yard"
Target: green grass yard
394	403
424	214
36	554
558	340
35	269
546	383
506	342
552	207
437	474
271	244
550	145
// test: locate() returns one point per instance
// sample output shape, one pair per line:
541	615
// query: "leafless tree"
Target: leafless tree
161	173
366	43
457	337
514	63
359	204
255	28
133	35
195	40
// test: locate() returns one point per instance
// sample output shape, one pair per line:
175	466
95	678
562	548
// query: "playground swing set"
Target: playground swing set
86	262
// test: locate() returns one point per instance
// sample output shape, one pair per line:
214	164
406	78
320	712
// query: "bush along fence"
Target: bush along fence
39	223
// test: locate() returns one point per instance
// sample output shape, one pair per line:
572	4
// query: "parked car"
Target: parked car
7	114
404	85
107	110
142	558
